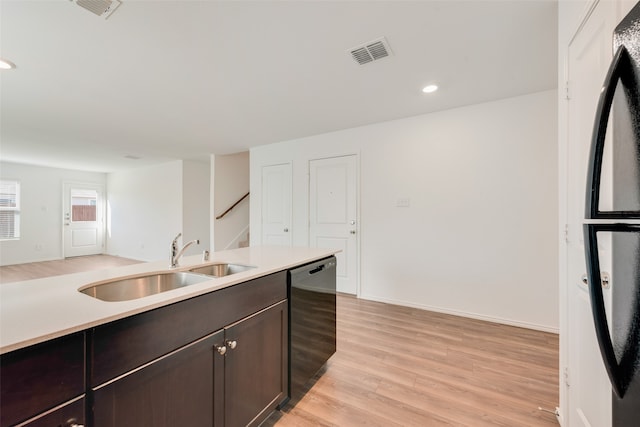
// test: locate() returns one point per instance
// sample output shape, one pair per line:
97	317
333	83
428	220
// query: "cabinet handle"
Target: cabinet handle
232	344
222	350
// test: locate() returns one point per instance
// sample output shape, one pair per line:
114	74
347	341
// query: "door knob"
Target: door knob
286	230
353	232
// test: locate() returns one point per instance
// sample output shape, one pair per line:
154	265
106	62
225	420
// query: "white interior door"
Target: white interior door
276	205
333	214
590	52
83	216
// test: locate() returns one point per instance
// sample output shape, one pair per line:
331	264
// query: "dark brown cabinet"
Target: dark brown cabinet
40	380
161	369
184	387
255	366
234	377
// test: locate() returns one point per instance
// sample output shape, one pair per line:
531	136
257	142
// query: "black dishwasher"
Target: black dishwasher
312	330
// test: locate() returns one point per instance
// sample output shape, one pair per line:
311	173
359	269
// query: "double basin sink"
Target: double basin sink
149	284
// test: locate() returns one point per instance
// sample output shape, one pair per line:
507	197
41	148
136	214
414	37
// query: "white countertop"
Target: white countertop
38	310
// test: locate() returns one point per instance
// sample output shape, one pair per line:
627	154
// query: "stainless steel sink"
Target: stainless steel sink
219	270
142	286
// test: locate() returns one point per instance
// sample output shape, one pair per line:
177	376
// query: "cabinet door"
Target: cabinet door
36	379
182	388
256	366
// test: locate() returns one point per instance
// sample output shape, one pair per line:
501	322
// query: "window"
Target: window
83	205
9	209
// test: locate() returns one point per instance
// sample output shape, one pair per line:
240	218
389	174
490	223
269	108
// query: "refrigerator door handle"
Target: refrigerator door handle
598	311
621	62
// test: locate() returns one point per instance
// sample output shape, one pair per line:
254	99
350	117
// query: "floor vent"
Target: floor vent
371	51
102	8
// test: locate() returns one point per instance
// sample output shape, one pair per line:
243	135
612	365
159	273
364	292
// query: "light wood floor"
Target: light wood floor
398	366
37	270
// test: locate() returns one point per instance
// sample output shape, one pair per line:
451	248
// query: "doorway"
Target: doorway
83	219
585	384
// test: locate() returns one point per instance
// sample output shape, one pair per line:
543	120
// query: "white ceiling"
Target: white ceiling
164	80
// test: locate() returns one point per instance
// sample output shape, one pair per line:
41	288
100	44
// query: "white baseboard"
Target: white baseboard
493	319
32	260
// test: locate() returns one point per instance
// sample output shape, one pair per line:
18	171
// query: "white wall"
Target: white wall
480	236
41	211
196	218
144	211
230	176
147	207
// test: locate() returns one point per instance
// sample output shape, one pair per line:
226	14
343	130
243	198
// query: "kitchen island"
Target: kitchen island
211	353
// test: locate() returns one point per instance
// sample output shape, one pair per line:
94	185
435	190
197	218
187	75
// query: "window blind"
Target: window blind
9	209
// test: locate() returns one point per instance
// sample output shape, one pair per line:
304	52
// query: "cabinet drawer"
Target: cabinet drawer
123	345
65	415
38	378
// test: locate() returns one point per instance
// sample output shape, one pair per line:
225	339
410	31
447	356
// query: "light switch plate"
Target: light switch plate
403	202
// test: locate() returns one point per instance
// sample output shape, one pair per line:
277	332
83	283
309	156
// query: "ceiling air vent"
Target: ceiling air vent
103	8
371	51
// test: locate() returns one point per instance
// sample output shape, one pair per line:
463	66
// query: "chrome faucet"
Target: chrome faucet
175	253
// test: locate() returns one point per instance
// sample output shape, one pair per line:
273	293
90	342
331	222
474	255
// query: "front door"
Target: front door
333	215
585	378
83	216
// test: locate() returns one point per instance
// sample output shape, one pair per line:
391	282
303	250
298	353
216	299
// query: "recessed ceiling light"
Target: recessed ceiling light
430	88
6	65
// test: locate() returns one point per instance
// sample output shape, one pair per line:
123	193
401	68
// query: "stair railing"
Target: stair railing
233	206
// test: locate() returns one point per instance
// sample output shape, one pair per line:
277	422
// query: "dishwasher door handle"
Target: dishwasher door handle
318	269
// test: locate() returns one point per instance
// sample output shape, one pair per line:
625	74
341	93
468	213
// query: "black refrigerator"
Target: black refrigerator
612	217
